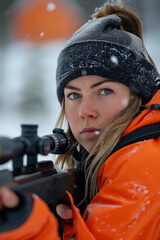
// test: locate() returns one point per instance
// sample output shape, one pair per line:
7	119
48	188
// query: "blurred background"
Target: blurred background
32	33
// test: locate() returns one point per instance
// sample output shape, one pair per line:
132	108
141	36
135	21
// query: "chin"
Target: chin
89	148
88	145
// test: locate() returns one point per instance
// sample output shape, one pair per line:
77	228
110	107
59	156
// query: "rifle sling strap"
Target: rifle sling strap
140	134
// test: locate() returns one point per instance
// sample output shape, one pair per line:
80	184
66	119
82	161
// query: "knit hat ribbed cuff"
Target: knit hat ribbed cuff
109	60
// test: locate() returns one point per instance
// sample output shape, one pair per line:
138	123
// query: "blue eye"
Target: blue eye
73	96
106	91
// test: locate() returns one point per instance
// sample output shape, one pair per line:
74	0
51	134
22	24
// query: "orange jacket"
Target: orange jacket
127	206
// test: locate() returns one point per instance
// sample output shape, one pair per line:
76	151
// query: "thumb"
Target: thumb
64	211
8	198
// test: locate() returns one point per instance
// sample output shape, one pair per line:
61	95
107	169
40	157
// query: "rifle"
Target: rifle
39	177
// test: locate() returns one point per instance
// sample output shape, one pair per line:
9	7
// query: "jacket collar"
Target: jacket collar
146	117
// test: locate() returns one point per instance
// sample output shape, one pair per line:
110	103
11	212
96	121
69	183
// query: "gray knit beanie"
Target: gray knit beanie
101	48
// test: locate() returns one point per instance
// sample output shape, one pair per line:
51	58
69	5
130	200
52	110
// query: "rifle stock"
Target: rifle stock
51	188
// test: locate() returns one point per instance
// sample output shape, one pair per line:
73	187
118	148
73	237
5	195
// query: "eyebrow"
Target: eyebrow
92	86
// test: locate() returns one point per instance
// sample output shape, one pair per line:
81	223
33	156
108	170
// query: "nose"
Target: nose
88	109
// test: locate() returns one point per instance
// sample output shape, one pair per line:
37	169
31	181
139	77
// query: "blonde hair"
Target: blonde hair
112	133
107	141
104	146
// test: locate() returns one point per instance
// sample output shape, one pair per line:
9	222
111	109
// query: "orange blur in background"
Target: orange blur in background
45	20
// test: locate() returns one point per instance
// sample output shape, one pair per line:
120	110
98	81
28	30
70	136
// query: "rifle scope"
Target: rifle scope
31	145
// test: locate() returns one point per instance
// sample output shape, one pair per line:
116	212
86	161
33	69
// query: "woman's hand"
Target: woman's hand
8	198
64	211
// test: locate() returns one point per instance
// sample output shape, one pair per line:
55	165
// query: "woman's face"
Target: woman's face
91	103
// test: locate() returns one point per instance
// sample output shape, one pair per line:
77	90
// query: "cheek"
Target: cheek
115	108
110	113
71	116
122	103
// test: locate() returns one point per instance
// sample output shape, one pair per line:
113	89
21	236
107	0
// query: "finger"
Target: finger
64	211
8	198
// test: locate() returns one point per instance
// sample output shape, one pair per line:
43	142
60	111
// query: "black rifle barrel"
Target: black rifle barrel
29	143
10	148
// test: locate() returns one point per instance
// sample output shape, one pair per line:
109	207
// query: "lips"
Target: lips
90	132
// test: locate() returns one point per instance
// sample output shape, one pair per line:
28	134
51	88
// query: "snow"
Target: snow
124	102
41	34
28	89
114	59
135	149
16	73
84	72
51	6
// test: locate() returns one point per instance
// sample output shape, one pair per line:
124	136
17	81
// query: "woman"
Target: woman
104	75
